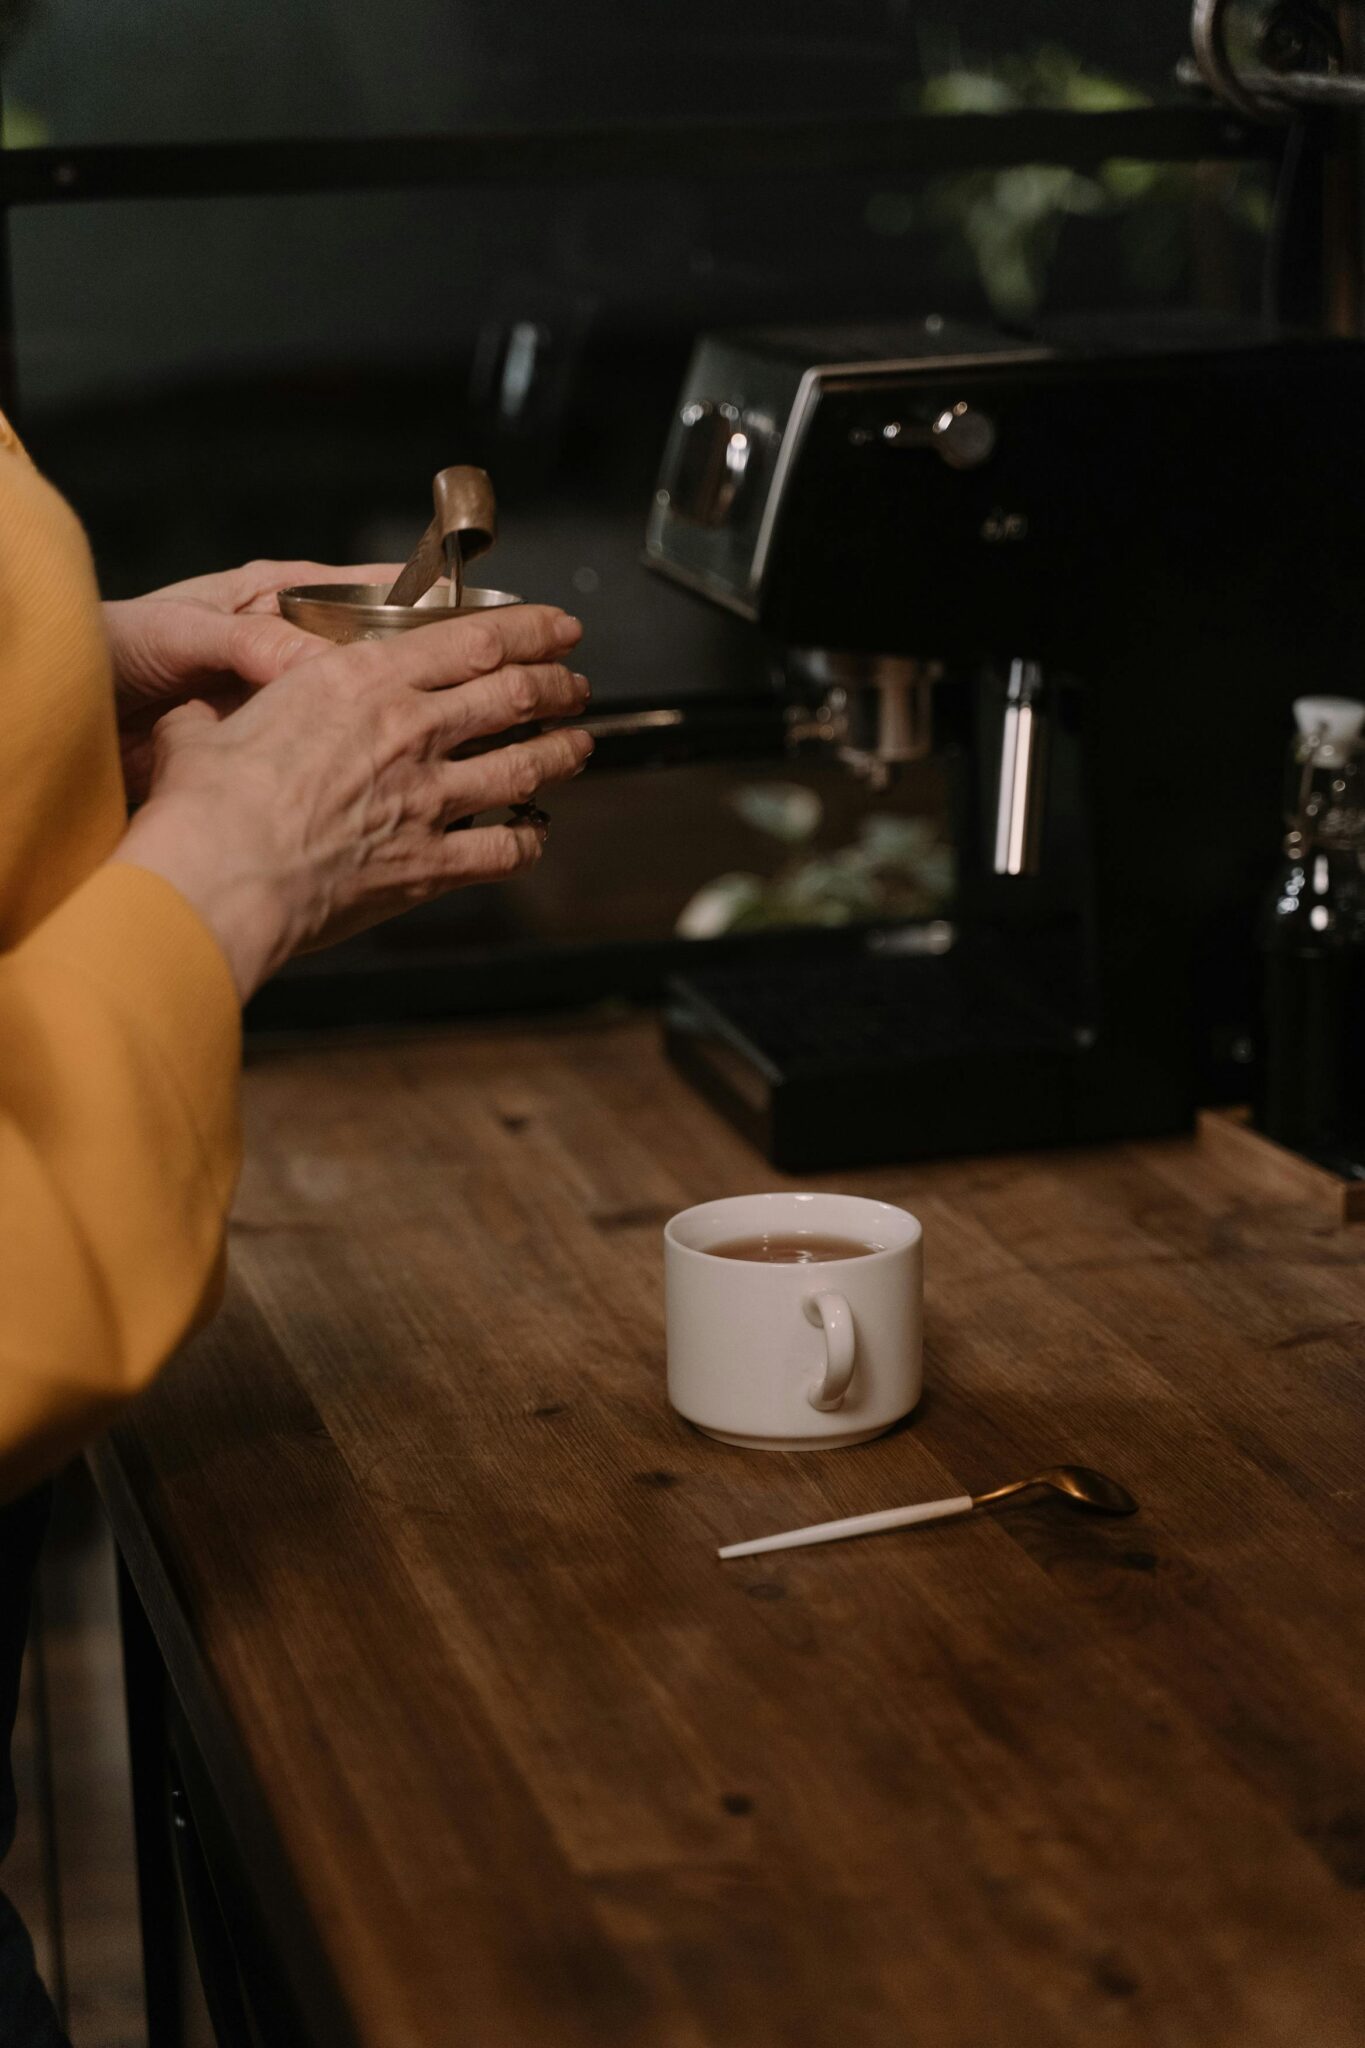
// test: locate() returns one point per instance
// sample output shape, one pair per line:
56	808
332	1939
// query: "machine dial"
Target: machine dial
961	434
714	452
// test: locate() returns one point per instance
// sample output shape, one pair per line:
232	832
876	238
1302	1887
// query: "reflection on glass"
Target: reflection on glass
88	71
893	867
1179	229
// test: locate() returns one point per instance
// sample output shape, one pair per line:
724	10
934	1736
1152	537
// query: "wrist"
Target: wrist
237	904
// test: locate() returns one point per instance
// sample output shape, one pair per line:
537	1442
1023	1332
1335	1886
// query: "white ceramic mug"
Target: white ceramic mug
794	1357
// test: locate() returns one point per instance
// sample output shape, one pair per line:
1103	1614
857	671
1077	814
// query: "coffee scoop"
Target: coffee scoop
463	524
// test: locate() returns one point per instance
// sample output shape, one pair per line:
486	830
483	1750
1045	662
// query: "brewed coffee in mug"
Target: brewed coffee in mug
795	1321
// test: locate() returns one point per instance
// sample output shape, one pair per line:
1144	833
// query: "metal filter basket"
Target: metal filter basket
344	612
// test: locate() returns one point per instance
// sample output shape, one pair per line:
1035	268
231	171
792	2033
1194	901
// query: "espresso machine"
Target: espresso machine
1088	566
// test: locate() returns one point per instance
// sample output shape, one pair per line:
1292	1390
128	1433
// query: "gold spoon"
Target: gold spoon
1077	1485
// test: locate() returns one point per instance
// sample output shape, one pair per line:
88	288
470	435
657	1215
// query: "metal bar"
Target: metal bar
1343	234
922	143
145	1685
1282	91
1258	93
219	1979
1212	61
41	1697
1279	94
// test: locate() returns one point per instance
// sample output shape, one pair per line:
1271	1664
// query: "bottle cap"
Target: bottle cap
1333	724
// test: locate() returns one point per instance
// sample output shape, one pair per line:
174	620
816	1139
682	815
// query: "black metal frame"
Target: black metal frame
689	150
203	1914
915	143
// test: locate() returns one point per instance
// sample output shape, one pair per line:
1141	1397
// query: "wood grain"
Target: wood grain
1256	1157
433	1567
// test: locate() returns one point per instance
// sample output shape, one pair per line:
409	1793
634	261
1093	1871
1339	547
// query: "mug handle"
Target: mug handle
835	1317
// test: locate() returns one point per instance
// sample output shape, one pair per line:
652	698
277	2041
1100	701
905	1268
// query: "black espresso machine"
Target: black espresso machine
1091	566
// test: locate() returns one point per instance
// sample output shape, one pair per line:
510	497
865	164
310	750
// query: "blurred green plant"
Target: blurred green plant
896	867
1005	225
21	128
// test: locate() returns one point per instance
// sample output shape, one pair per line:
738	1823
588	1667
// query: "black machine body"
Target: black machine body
1092	567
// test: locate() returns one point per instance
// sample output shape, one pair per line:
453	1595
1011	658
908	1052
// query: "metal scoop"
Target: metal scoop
463	525
1078	1485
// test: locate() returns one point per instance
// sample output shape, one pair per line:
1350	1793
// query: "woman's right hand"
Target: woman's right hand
322	805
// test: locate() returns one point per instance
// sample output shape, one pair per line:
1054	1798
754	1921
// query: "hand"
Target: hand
215	638
323	804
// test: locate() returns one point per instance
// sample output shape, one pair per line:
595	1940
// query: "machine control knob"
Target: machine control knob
962	434
712	463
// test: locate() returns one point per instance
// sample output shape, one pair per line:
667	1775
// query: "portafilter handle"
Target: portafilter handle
877	709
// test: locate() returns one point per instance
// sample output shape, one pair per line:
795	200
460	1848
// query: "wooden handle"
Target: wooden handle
853	1525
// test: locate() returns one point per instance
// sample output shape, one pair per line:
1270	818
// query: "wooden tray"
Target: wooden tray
1247	1152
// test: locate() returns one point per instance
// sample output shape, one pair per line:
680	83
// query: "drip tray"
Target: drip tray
829	1062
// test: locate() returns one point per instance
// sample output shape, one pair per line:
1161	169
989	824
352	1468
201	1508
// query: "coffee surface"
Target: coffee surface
793	1248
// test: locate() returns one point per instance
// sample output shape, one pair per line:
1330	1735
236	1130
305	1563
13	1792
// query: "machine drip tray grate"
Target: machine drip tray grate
817	1016
835	1062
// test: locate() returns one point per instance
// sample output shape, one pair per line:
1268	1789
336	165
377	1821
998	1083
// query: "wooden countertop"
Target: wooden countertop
433	1567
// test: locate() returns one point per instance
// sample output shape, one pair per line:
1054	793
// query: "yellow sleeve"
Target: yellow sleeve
119	1030
119	1057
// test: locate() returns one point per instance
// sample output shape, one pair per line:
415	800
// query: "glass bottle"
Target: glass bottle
1311	1093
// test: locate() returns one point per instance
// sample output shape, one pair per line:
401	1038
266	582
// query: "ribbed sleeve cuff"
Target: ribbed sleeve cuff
151	953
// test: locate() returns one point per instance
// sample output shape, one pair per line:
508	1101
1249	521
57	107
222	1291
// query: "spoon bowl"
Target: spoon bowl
1080	1486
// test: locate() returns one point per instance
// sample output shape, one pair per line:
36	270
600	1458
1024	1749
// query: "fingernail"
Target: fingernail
584	685
567	629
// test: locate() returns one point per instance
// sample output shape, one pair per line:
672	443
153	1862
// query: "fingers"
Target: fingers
488	853
177	730
184	719
520	695
439	656
511	775
258	646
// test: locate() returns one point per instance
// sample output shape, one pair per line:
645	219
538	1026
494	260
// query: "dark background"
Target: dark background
166	70
215	379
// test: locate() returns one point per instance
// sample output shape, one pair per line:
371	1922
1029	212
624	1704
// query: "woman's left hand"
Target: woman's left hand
215	638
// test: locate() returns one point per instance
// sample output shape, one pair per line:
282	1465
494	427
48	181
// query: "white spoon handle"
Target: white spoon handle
853	1525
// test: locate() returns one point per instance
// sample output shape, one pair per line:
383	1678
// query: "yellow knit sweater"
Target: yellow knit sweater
119	1029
